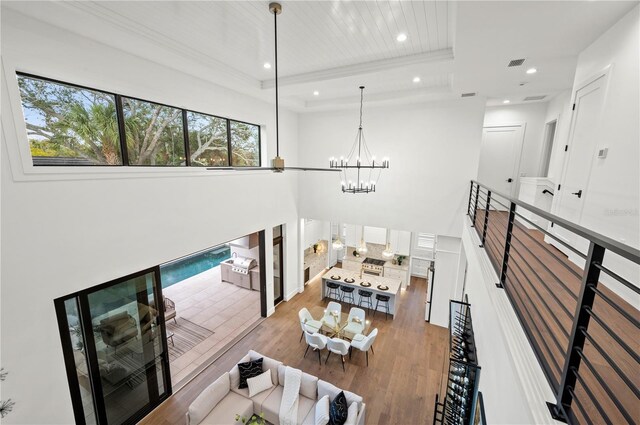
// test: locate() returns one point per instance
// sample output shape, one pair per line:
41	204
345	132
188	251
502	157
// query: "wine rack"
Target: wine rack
459	403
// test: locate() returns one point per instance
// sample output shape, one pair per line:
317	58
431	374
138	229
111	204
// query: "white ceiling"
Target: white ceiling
335	46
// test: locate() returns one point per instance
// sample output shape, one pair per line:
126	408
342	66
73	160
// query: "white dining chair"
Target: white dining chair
329	317
337	346
316	341
356	321
307	322
364	344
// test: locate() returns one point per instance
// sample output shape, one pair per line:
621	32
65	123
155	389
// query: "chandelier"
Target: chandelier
358	169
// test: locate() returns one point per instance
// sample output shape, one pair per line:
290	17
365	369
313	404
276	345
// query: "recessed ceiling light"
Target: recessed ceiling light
506	101
316	93
416	79
267	65
531	71
401	37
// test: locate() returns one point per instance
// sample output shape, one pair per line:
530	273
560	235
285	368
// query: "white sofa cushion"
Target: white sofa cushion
230	406
322	411
259	383
267	363
308	383
257	399
271	406
209	399
325	388
352	414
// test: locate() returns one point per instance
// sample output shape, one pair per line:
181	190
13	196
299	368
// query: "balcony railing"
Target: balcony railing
581	320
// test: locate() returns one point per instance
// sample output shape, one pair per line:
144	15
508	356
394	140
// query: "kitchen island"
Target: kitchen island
338	276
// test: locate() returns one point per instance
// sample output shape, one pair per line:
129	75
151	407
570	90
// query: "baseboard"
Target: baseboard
292	294
271	311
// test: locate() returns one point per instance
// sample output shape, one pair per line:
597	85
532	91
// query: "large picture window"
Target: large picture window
207	140
67	125
154	133
245	144
72	125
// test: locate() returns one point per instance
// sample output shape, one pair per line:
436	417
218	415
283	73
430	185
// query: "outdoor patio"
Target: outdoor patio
210	314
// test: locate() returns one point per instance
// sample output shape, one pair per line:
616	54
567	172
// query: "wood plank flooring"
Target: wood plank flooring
543	286
399	386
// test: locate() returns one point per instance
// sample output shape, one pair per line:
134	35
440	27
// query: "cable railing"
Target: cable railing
578	309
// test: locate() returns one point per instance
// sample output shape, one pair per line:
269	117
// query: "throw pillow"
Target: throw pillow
352	414
338	410
249	370
322	411
260	383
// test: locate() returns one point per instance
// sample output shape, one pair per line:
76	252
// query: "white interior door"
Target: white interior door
581	154
500	158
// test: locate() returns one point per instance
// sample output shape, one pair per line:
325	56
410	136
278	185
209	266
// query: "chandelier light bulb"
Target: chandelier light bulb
337	244
388	252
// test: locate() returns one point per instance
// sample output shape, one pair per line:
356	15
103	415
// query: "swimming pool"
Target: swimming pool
185	268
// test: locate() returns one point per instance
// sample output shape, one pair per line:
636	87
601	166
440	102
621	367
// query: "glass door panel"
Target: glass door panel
278	272
128	346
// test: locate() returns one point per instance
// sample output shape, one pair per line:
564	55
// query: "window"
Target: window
154	133
245	144
72	125
208	145
68	125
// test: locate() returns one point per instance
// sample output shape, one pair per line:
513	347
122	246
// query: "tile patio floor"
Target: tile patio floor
221	307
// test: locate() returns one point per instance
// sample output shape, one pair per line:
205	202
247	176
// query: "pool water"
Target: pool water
183	269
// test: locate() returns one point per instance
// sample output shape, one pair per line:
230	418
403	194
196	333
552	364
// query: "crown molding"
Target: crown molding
443	56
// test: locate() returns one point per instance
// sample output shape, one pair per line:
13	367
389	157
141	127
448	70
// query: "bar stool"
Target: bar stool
333	289
385	299
367	299
347	293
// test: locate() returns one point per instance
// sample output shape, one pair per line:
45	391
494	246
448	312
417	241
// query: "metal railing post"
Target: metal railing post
564	398
507	245
469	203
486	218
475	207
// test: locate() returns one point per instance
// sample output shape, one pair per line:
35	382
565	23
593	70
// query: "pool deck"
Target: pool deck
223	308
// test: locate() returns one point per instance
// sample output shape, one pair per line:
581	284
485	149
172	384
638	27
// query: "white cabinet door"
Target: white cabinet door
419	267
375	235
403	245
352	238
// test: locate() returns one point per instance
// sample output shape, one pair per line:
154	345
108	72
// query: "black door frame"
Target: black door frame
279	240
82	303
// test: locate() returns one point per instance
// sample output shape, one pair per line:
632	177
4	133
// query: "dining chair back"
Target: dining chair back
328	316
316	341
337	346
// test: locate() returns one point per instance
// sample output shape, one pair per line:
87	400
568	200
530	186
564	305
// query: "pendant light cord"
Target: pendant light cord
275	27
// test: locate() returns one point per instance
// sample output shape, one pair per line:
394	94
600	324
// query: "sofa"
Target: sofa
118	329
222	400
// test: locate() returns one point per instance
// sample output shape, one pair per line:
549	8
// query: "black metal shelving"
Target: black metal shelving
459	404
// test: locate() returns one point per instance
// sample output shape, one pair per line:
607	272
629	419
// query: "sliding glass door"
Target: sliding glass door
118	349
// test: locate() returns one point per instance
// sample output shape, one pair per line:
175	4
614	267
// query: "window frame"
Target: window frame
122	132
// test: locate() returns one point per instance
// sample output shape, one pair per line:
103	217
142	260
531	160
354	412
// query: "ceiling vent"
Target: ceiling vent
530	98
468	94
515	62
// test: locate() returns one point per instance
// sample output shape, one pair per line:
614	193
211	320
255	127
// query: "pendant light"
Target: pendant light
362	249
358	169
388	252
337	242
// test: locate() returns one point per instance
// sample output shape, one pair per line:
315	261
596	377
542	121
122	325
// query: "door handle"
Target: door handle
578	193
509	180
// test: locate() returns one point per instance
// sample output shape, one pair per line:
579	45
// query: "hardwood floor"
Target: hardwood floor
399	386
543	286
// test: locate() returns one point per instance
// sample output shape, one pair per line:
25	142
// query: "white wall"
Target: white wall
445	281
433	149
559	108
65	232
533	116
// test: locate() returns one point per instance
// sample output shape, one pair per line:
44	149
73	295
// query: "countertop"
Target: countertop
403	267
354	259
393	284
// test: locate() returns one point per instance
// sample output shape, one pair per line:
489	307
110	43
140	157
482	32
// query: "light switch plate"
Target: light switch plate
602	153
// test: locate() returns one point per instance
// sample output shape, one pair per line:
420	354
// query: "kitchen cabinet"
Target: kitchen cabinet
400	242
375	235
419	266
353	235
397	272
315	263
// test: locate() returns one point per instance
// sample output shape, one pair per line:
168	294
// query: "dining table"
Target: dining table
337	329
